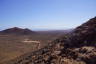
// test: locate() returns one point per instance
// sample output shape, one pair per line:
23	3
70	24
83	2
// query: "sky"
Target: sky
45	14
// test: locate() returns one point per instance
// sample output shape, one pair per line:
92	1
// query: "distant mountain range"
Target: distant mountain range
17	31
21	31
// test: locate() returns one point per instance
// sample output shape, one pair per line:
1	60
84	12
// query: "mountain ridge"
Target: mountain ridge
17	31
77	47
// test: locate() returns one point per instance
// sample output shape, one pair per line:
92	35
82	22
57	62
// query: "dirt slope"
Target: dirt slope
78	47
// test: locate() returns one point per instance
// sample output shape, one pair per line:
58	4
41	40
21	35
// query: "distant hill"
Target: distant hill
17	31
79	47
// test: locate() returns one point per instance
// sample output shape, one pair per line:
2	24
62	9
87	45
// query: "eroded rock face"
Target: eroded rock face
76	48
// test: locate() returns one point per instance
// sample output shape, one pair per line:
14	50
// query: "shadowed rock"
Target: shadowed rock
76	48
84	34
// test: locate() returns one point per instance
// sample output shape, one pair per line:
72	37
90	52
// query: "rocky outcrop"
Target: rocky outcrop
77	47
84	34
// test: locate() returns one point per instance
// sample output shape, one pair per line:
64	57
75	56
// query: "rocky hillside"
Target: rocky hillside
17	31
78	47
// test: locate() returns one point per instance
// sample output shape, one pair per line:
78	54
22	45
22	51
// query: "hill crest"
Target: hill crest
17	31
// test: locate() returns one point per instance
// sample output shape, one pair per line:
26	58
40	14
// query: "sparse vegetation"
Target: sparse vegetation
77	47
12	45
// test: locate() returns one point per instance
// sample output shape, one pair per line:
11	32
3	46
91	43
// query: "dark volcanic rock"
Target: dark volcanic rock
76	48
17	31
84	34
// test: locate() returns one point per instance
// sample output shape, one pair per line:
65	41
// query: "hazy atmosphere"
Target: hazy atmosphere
47	31
45	14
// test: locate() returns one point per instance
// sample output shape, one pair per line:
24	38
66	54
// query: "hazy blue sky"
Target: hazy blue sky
45	14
